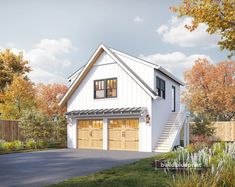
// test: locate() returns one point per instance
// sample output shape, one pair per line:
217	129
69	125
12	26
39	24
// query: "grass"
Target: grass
137	174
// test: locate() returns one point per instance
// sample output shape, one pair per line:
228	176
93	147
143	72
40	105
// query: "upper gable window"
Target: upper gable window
106	88
161	87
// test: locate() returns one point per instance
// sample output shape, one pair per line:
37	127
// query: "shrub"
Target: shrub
200	141
42	144
35	125
218	172
59	130
8	146
1	144
31	144
18	145
202	127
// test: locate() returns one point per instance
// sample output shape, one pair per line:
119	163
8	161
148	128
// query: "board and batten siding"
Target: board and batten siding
146	72
129	94
162	108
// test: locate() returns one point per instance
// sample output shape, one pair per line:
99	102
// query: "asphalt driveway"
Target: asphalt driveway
49	167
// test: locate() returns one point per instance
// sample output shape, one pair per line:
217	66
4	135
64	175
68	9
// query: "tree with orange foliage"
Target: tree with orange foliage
48	97
18	96
210	89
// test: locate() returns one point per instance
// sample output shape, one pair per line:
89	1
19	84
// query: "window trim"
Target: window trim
105	88
173	88
161	92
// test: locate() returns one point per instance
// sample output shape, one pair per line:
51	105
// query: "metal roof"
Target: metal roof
107	112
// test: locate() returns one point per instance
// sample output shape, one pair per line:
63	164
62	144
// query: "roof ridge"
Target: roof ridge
91	62
135	74
135	58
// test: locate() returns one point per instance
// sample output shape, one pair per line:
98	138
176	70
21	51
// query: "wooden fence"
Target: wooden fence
224	130
9	130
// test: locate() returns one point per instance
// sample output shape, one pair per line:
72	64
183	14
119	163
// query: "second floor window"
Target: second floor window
161	88
106	88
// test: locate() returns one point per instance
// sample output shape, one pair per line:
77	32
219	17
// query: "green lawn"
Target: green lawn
140	173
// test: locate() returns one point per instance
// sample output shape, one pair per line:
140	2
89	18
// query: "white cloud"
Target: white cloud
39	75
48	60
175	62
62	45
10	44
138	19
175	33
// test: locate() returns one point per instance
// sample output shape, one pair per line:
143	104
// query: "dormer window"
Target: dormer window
105	88
161	87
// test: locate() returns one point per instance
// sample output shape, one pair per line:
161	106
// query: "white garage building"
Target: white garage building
119	102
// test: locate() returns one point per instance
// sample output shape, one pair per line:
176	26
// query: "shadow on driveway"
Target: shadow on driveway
49	167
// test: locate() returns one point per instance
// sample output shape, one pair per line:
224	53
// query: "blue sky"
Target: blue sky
58	36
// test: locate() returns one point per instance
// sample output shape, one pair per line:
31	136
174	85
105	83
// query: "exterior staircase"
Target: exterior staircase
171	130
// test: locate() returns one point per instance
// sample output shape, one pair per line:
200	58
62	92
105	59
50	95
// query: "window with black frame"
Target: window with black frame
111	87
161	87
106	88
99	89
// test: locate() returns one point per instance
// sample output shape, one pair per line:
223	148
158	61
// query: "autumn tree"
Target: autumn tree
11	64
48	97
210	89
18	96
218	15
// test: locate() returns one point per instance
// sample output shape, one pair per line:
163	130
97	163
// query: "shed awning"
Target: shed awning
134	111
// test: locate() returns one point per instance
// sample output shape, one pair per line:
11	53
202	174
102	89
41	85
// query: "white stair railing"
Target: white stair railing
180	120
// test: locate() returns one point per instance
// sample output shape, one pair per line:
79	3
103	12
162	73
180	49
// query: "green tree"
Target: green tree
59	129
218	15
11	64
203	127
35	125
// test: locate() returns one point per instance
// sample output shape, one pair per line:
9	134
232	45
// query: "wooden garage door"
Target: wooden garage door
123	134
90	134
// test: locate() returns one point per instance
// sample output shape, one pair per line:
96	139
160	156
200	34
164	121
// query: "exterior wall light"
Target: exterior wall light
147	119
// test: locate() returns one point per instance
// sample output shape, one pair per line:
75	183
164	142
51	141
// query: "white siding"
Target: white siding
72	133
161	109
144	71
129	94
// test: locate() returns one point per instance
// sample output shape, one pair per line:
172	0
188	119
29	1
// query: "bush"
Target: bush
42	144
18	145
8	146
199	142
202	127
31	144
1	144
36	125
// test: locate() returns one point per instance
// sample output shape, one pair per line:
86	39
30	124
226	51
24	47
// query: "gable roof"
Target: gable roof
92	61
153	65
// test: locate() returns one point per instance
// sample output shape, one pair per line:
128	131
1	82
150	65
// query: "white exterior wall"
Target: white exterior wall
146	72
71	133
129	94
162	109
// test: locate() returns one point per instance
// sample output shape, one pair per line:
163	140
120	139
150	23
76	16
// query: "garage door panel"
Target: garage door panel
115	144
90	134
83	143
115	134
131	145
123	134
96	143
131	135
